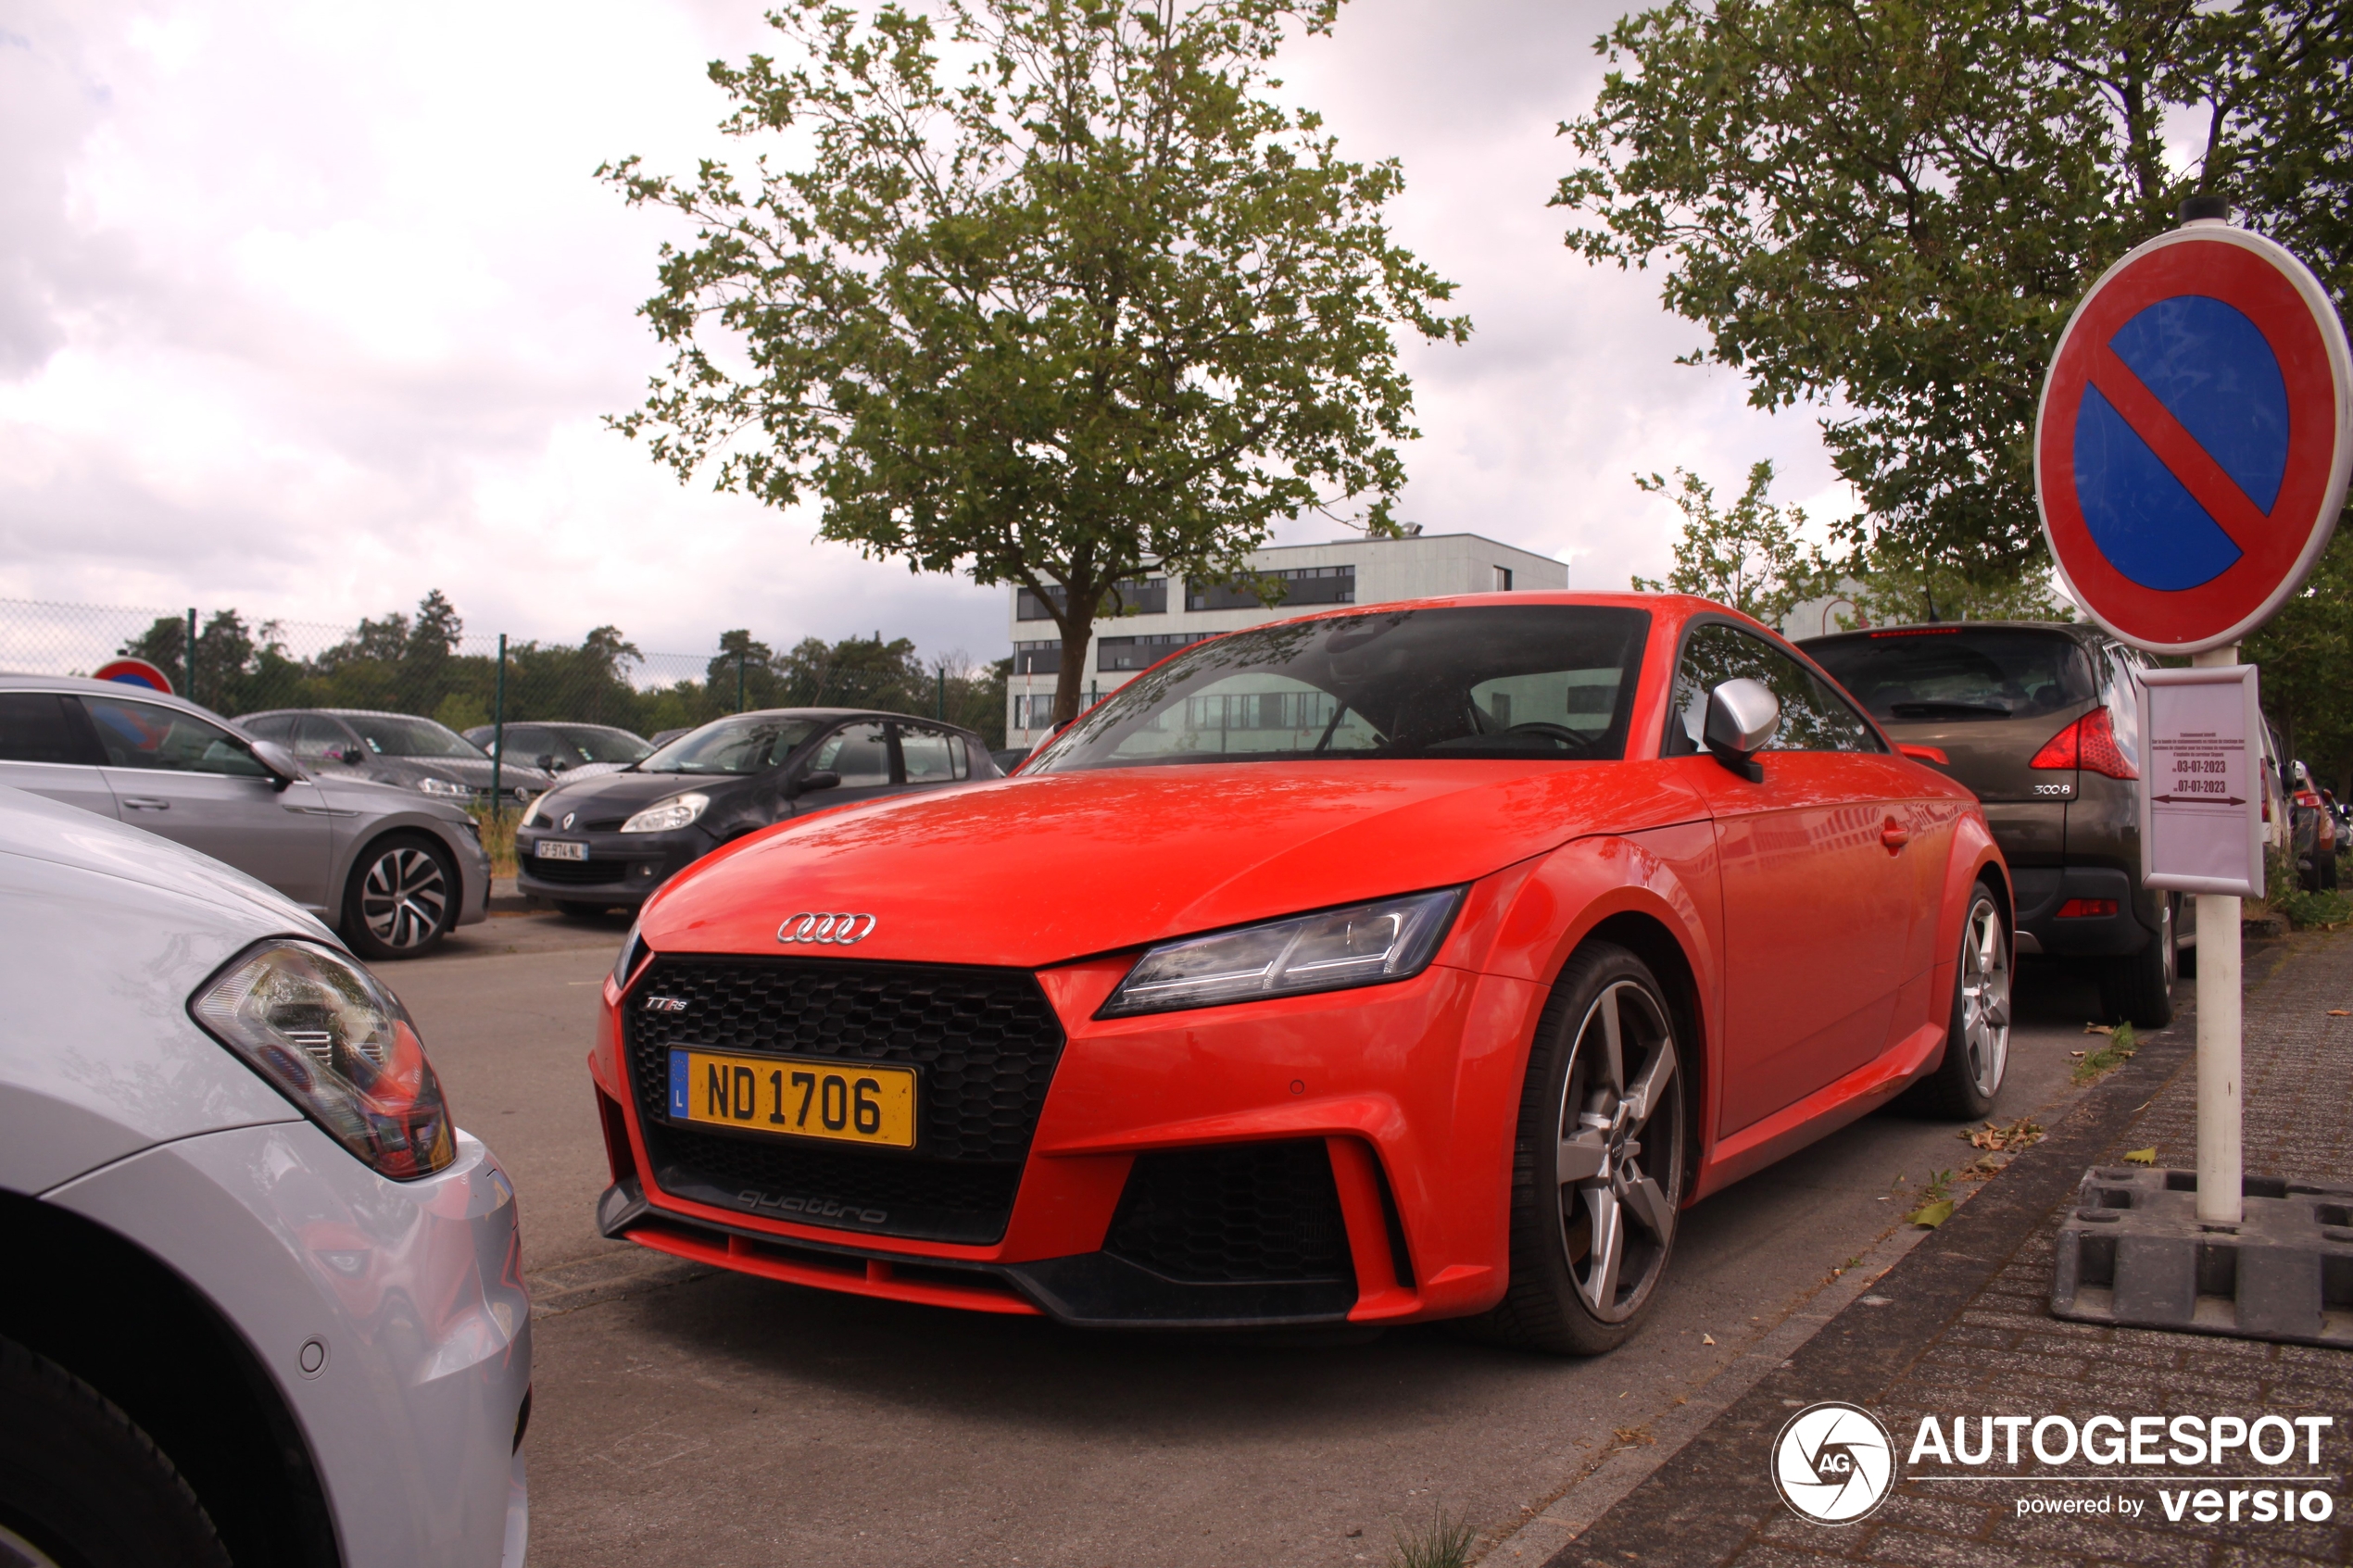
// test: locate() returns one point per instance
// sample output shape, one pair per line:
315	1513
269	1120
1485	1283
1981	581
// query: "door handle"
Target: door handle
147	802
1895	835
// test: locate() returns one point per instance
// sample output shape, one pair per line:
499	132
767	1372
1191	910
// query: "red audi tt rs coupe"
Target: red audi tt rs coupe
1403	962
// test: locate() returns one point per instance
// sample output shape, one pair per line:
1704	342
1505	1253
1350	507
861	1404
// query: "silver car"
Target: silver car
394	870
263	1302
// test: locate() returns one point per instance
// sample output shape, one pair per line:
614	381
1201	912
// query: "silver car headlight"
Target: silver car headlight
327	1035
444	789
1363	945
674	813
531	812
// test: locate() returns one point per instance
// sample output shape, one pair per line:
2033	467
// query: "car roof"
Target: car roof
2081	631
829	713
345	713
84	684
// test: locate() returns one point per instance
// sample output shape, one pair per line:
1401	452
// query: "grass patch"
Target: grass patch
2093	1065
2314	911
498	836
1440	1541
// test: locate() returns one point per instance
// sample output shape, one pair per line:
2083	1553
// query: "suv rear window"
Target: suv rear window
1914	674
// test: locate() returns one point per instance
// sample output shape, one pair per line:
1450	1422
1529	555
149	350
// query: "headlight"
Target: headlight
531	812
633	947
663	815
444	790
1365	945
333	1040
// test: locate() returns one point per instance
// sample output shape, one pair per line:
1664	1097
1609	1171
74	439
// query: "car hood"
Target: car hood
1034	870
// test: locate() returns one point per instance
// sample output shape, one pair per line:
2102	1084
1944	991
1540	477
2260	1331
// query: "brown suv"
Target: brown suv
2039	718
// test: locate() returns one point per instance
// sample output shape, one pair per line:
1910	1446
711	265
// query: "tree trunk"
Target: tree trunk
1070	685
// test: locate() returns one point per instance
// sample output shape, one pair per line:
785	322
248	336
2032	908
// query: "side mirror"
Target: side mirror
1742	715
279	760
348	756
546	763
808	784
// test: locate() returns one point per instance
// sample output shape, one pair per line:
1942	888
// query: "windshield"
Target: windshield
1919	673
594	742
751	743
1535	681
390	735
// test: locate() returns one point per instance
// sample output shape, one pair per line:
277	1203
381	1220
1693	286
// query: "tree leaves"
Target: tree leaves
1051	292
1891	207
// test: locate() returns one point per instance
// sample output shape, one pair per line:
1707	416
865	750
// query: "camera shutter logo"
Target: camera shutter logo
1833	1462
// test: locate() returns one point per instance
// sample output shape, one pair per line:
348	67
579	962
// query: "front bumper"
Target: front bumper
622	870
1387	1113
415	1293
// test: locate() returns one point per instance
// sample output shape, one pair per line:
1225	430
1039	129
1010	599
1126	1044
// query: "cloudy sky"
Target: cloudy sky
309	309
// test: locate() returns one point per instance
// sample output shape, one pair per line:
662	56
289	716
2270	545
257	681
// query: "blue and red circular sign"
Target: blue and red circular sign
133	673
2194	437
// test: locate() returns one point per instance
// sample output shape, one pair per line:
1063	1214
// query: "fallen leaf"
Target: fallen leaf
1928	1216
1707	1339
2141	1155
2099	1028
2340	1012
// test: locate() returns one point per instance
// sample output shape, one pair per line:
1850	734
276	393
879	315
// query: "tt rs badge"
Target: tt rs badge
665	1004
839	930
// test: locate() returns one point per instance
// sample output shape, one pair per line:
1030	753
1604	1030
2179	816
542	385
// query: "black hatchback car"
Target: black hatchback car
595	844
2042	719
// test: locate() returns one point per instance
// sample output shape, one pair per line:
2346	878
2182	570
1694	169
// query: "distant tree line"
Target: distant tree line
405	663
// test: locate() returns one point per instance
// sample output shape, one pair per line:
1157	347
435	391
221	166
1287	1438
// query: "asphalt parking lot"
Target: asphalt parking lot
711	1419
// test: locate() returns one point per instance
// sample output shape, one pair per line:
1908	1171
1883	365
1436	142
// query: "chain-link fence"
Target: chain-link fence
428	665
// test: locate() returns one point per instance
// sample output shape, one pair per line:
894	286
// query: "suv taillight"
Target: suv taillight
2089	742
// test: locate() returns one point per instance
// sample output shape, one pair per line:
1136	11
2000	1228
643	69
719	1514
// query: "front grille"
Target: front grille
984	1040
576	873
1239	1212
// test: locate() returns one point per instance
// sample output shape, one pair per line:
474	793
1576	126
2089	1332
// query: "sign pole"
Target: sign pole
2220	1182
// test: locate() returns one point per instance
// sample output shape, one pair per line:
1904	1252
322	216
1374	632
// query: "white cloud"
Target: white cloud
309	309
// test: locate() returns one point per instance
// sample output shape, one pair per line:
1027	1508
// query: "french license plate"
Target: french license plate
560	849
848	1102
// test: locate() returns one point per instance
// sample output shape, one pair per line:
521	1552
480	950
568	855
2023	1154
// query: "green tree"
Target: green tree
1892	207
1747	555
1096	305
2304	654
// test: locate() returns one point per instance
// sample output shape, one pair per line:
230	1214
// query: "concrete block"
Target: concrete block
2135	1252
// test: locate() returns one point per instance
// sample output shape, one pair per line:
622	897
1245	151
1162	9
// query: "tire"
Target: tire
572	908
402	898
1622	1174
1977	1038
82	1485
2138	988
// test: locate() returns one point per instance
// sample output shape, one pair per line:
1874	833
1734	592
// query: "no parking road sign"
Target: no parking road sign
2193	438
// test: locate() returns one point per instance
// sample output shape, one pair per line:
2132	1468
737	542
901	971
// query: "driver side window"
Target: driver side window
1814	718
141	734
859	753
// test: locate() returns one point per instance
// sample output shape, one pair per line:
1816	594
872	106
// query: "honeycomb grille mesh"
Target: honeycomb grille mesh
986	1041
1256	1213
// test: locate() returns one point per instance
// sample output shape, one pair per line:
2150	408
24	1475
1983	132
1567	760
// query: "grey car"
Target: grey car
395	870
2041	720
396	748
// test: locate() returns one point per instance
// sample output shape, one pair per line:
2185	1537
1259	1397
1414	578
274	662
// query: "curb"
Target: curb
1703	1503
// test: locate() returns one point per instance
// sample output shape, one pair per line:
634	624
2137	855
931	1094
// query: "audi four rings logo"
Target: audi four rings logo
839	930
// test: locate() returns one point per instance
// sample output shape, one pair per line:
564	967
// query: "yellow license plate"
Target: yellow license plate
847	1101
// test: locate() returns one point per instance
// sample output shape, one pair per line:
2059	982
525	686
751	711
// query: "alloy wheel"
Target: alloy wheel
1985	997
1620	1161
404	897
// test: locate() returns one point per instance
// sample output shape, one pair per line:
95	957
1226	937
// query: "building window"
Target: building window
1304	585
1037	658
1140	653
1035	711
1137	596
1503	579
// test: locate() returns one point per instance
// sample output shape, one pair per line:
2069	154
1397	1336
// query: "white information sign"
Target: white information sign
2201	797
